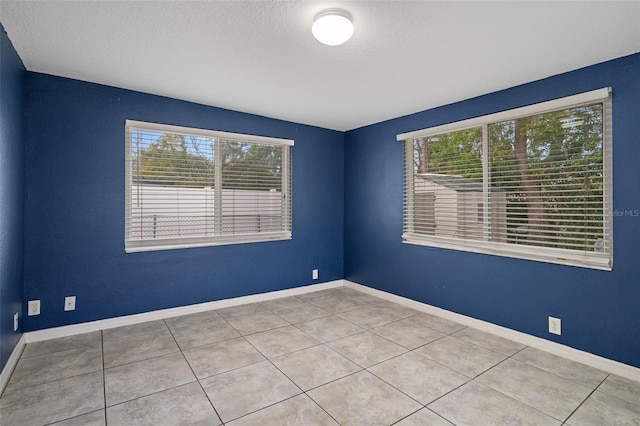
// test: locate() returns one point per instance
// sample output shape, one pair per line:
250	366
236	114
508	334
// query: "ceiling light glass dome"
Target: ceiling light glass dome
332	26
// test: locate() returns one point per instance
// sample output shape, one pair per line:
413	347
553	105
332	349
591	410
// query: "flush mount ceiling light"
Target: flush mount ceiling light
332	26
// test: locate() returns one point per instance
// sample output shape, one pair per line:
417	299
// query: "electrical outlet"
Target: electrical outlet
555	326
33	308
314	274
15	322
70	303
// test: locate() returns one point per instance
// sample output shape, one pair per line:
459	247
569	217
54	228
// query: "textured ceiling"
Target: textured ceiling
260	56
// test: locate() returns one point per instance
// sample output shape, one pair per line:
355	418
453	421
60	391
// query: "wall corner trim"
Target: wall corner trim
605	364
7	371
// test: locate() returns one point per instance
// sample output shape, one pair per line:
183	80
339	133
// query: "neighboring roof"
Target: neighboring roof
455	182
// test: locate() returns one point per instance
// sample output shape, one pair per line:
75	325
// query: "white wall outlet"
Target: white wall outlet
555	327
33	308
15	322
70	303
314	274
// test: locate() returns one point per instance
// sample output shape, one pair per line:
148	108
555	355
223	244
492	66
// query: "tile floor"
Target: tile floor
331	357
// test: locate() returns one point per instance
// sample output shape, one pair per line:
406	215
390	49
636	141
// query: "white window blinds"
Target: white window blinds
531	183
190	187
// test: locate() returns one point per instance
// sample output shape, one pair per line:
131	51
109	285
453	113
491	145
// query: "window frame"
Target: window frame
132	246
571	257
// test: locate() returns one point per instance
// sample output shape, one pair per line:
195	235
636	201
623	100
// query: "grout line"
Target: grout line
56	380
233	369
336	379
303	391
410	414
509	396
322	408
585	399
173	352
201	387
326	345
328	341
111	339
151	394
159	391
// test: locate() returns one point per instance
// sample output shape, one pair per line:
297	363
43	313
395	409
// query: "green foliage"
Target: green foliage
552	160
174	160
251	166
454	153
564	156
189	161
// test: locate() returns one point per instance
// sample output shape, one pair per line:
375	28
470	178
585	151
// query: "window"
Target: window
190	187
531	183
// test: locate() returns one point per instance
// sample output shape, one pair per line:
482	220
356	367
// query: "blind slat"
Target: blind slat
192	187
540	182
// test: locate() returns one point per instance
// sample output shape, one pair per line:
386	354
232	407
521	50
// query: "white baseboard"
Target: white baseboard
592	360
70	330
7	371
587	358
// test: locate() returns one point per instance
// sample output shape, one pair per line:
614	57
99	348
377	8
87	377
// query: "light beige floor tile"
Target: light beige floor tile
95	418
183	405
299	312
407	333
360	297
149	381
93	339
551	394
602	409
363	399
336	304
133	330
194	335
53	401
131	381
424	417
489	341
200	318
138	347
281	341
283	303
420	378
621	388
59	365
371	316
464	357
476	404
239	310
396	308
322	294
574	371
347	292
245	390
315	366
255	323
330	328
439	324
297	411
221	357
339	293
366	349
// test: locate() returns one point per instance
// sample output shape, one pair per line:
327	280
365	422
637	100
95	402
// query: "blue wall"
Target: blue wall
11	194
600	311
74	217
74	239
